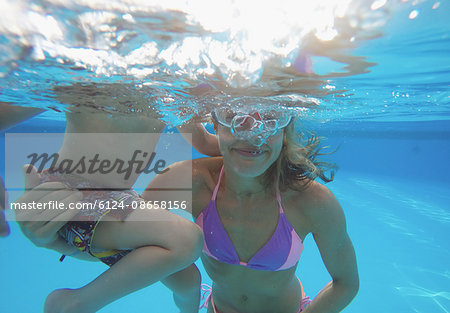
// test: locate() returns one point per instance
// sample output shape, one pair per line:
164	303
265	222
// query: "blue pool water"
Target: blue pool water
394	188
391	124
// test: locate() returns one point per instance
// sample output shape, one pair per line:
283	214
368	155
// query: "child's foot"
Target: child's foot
63	301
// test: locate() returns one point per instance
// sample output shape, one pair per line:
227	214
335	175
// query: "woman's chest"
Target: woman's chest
249	229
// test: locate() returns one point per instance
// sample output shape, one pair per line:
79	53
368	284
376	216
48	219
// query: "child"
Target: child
140	246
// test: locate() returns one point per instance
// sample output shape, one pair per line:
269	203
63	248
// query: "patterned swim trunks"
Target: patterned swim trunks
80	232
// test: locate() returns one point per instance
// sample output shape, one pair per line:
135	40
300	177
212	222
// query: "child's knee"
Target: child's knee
188	243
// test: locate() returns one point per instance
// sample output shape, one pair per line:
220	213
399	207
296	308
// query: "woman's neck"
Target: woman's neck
243	187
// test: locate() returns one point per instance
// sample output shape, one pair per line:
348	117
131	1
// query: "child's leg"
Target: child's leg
185	285
163	243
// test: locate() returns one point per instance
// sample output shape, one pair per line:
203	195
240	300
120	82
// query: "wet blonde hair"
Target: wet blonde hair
298	162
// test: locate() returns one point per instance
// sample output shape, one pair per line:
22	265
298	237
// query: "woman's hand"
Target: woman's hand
41	225
200	138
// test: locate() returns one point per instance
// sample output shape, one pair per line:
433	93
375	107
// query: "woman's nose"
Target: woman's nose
249	122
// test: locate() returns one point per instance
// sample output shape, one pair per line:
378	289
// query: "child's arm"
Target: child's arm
203	141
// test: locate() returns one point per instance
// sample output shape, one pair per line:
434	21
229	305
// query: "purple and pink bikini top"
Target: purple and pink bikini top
281	252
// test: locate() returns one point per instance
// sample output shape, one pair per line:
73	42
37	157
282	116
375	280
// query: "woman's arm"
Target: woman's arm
41	226
201	139
43	231
184	180
175	185
338	255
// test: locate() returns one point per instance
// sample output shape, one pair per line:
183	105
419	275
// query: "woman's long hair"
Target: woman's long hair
298	163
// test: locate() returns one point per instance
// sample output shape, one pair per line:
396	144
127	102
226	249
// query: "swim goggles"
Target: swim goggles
250	124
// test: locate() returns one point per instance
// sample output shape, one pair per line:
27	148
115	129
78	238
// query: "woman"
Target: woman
256	204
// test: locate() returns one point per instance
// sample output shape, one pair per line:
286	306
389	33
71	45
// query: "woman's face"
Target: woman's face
245	158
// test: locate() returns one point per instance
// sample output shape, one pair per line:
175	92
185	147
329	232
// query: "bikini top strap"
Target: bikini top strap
217	185
279	200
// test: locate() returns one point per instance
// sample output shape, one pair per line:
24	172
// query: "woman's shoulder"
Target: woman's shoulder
312	193
206	169
207	163
205	173
199	175
314	202
317	194
200	168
